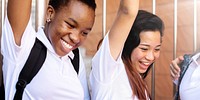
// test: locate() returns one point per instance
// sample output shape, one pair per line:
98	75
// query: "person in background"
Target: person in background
126	54
185	72
68	22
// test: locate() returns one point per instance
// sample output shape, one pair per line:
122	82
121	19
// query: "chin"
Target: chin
141	71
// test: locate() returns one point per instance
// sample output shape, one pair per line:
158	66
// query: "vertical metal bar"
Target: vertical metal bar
40	12
175	36
175	28
153	67
2	21
2	12
104	19
195	25
154	6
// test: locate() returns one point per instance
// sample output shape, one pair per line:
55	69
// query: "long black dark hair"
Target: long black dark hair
145	21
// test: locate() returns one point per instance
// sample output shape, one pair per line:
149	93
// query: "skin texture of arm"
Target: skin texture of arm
123	22
18	15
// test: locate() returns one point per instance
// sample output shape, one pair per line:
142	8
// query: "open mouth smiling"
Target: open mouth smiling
66	45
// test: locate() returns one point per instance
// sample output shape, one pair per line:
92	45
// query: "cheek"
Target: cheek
157	55
54	37
138	53
83	38
135	56
52	32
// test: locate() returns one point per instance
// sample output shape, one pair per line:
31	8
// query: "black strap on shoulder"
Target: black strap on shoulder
183	66
31	67
2	91
75	61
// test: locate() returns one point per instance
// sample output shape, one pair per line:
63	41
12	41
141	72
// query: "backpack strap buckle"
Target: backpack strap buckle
21	84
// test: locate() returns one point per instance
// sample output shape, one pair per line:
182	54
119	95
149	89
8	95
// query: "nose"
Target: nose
74	37
150	55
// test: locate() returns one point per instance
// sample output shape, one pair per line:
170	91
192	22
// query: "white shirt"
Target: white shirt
56	80
108	78
190	84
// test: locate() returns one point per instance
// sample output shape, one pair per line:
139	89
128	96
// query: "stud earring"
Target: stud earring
48	20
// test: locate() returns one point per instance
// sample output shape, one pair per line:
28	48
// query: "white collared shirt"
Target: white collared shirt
190	84
108	78
56	80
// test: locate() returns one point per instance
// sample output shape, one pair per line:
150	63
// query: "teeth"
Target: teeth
146	64
67	45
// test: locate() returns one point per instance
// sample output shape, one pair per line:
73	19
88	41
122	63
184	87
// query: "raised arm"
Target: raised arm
120	29
18	12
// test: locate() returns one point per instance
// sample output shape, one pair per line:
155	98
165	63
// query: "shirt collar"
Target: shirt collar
195	57
71	55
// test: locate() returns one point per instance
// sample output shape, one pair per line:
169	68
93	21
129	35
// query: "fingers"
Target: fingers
174	73
174	67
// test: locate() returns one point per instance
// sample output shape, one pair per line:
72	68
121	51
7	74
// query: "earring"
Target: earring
48	20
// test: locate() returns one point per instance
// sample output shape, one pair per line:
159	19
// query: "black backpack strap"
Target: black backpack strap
183	66
2	91
75	61
31	67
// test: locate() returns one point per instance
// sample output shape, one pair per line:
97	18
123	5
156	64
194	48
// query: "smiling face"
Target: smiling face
147	51
69	26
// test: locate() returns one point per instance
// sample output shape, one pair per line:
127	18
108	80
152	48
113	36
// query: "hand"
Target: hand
174	68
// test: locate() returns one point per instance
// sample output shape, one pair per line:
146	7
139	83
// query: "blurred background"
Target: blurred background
181	35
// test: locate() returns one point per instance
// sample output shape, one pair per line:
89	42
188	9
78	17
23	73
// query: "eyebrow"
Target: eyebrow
74	21
148	45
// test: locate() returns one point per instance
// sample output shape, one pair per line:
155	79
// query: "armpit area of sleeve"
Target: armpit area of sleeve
105	69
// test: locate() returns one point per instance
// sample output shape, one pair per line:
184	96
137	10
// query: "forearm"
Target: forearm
129	7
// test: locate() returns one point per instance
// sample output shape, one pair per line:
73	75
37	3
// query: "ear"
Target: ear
50	13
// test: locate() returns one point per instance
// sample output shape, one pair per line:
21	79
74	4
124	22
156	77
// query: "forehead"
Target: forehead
73	3
150	37
76	10
75	7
